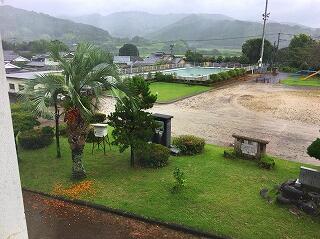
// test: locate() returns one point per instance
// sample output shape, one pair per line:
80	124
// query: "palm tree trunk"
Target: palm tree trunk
77	144
77	132
57	116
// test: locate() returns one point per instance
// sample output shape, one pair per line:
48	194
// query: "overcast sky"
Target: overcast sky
304	12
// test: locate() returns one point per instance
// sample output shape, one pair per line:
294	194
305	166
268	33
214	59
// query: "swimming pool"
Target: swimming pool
195	71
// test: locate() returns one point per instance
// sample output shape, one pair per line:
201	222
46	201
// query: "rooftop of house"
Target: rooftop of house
9	55
126	59
28	75
36	64
11	66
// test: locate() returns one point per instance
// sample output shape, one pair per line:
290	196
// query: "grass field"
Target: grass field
221	196
297	81
172	91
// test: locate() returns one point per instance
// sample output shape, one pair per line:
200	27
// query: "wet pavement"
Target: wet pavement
54	219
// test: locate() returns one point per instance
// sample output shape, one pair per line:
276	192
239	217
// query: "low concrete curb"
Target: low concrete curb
173	226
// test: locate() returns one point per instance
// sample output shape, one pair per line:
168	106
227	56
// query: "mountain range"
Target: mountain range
21	25
206	31
194	27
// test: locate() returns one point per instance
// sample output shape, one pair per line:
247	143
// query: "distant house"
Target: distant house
160	58
12	57
126	60
42	62
9	68
16	80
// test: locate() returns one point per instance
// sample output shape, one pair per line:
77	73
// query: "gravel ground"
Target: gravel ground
287	116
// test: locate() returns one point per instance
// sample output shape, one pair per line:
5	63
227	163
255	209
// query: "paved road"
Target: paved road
55	219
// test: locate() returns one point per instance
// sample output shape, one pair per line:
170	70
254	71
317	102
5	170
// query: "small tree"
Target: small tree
128	50
314	149
133	127
251	49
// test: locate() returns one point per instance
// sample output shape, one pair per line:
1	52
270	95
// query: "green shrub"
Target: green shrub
314	149
242	71
232	73
237	72
47	130
215	78
153	156
266	162
179	178
224	75
159	76
35	138
98	118
189	144
23	121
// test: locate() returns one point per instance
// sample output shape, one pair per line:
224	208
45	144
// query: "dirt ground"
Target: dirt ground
55	219
288	117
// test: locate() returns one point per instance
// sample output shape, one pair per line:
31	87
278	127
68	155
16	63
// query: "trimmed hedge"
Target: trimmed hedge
36	138
215	78
153	156
159	76
189	144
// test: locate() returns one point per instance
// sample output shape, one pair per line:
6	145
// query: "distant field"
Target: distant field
172	91
298	81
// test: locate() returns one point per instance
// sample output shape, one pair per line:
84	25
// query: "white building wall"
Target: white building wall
12	217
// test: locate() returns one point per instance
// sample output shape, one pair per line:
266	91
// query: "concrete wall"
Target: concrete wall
16	83
12	217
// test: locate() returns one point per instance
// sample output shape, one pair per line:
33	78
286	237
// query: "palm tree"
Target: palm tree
90	70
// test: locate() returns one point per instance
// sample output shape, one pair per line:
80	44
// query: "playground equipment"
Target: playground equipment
313	74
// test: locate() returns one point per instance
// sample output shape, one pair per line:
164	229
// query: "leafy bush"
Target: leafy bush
159	76
232	73
23	121
314	149
47	130
153	156
215	78
266	162
98	118
189	144
237	72
35	138
224	75
242	71
178	175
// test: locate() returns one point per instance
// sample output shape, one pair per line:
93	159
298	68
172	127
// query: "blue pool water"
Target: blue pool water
195	71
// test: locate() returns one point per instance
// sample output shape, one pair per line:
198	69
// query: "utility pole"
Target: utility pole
171	49
278	42
265	17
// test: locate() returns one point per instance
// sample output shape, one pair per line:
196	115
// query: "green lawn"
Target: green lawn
297	81
172	91
221	195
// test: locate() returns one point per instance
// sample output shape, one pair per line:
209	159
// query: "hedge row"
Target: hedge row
214	78
226	75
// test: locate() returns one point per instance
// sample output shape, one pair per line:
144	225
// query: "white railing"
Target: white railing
157	68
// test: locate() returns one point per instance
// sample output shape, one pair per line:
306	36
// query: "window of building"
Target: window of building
11	86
